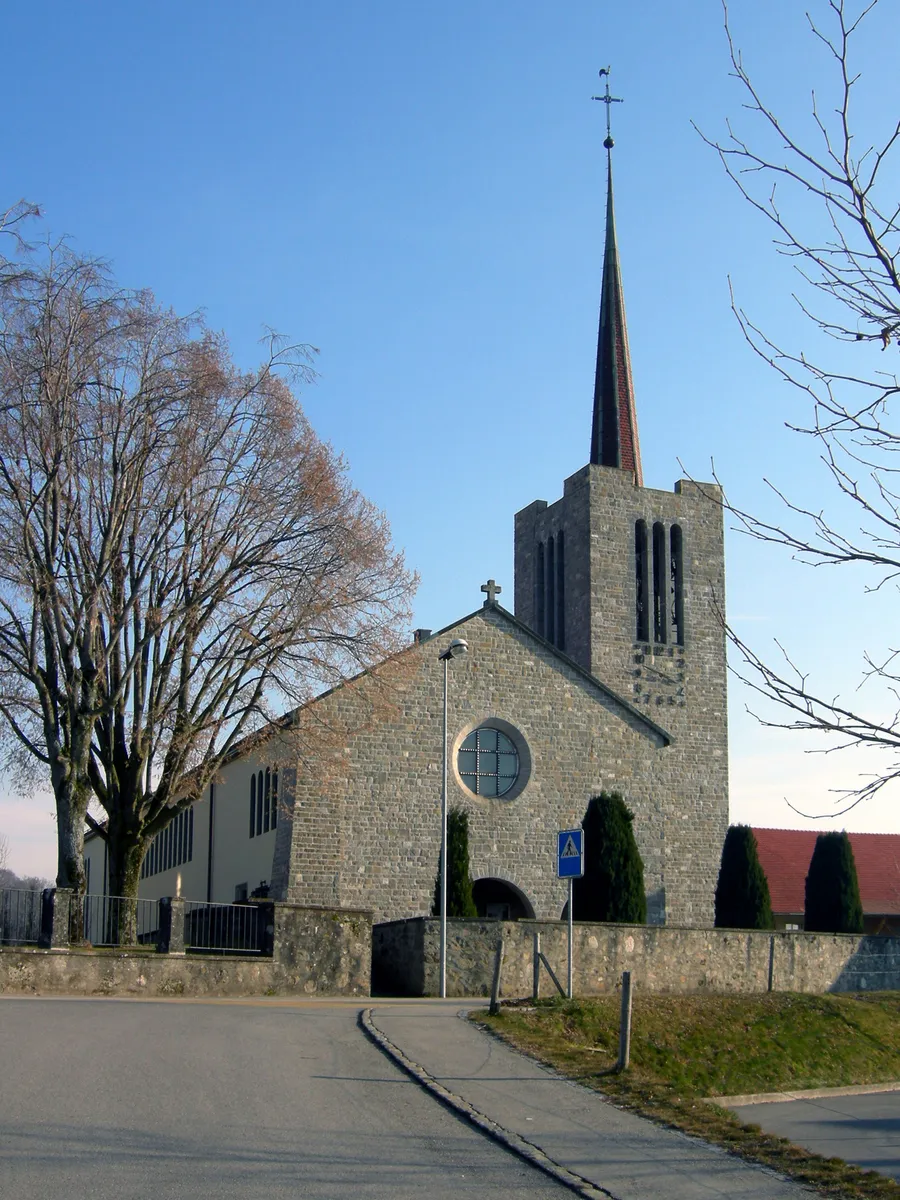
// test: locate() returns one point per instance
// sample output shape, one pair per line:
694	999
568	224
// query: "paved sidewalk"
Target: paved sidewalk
862	1128
618	1152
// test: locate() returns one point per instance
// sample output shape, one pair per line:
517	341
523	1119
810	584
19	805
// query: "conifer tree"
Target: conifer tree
832	888
612	887
460	902
742	892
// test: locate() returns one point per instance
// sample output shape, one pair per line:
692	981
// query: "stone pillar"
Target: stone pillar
55	909
171	926
268	925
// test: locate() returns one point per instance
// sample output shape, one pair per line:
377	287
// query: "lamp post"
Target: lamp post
457	648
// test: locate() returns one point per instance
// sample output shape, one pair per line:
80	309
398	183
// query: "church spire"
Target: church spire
614	436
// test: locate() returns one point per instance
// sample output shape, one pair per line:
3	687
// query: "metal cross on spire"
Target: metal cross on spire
607	99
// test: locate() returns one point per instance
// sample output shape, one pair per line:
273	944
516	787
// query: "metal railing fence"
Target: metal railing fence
117	921
20	916
224	928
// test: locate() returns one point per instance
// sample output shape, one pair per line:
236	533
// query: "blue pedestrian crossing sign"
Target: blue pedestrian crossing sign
570	853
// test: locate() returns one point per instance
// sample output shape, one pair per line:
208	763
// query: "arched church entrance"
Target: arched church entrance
499	900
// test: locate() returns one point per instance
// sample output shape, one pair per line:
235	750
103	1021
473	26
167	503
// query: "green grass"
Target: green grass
686	1048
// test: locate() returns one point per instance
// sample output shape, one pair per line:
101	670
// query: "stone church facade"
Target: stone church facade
609	675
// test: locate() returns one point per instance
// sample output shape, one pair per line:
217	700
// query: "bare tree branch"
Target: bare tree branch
181	558
832	201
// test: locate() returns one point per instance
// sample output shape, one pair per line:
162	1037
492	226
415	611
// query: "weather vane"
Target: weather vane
607	100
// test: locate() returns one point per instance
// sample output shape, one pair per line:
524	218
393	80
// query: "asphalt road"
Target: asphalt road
860	1129
123	1100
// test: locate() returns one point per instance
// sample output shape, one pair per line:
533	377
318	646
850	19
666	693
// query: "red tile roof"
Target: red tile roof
785	855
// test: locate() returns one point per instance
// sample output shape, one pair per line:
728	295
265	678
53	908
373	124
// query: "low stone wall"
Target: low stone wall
660	958
316	952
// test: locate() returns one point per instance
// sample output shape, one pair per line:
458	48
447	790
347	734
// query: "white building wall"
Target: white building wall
237	858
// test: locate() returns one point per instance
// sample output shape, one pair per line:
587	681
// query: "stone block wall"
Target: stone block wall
377	800
661	960
682	687
324	952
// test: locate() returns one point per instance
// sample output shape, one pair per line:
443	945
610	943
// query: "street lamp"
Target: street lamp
457	648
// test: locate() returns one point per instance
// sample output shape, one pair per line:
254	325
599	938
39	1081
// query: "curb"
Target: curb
861	1089
519	1146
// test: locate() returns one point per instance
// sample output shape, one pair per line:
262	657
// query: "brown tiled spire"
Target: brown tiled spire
614	437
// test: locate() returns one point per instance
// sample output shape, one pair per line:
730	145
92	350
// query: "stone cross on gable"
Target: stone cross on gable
493	590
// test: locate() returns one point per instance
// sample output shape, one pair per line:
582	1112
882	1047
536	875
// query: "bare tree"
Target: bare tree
832	199
181	559
4	851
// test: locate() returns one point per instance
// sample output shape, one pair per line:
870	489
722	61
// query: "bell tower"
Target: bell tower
629	582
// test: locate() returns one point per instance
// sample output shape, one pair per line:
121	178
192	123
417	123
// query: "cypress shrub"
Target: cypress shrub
459	882
742	892
832	888
612	887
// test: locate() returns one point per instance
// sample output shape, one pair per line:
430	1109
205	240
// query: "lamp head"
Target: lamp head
457	648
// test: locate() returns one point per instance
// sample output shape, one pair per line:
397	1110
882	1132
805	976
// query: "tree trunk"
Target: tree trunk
71	805
125	853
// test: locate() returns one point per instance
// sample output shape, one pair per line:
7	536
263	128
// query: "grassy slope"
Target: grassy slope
687	1047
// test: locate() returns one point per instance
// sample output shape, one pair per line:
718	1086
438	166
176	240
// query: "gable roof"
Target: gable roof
259	736
521	627
785	856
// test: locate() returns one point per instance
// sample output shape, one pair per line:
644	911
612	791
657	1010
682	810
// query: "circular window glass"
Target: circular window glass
488	762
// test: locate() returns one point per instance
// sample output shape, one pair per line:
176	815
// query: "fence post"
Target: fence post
268	926
498	969
171	926
56	906
625	1024
536	968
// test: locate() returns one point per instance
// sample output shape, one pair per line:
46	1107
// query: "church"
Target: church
608	673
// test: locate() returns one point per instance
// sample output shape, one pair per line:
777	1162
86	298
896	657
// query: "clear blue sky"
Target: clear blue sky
418	191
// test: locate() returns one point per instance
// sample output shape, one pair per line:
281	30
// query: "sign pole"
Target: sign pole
571	891
570	866
443	950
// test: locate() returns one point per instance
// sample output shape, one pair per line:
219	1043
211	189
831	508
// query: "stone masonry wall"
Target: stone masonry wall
316	952
661	960
366	824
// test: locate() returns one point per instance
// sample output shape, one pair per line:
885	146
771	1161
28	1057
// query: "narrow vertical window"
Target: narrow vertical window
267	803
274	798
660	583
182	841
561	590
550	603
259	803
190	854
676	565
641	581
253	804
539	590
